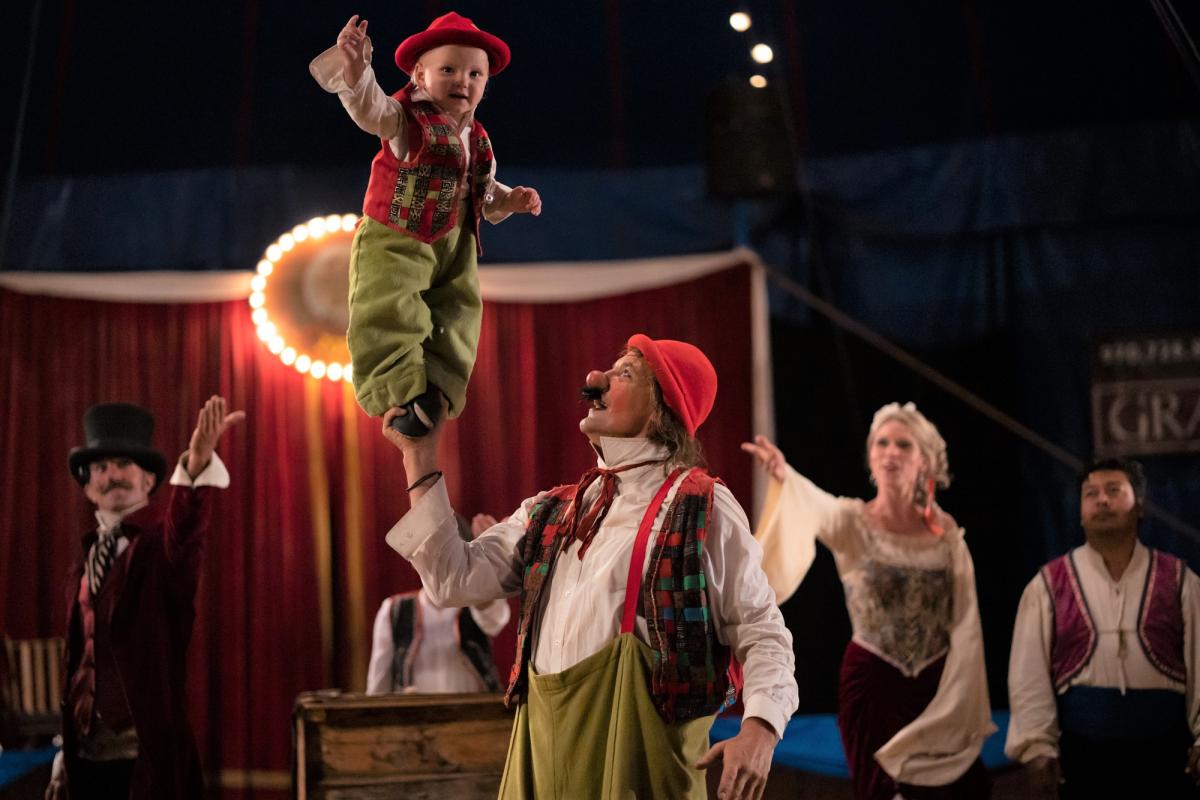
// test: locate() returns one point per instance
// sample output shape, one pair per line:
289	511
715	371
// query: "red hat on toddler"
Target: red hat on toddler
685	375
453	28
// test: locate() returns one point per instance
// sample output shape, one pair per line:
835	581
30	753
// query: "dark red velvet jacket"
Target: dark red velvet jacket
148	601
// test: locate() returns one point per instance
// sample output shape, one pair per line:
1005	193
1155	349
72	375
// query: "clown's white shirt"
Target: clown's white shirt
582	605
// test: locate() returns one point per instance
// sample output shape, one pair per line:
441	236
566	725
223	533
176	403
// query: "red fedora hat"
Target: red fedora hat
453	28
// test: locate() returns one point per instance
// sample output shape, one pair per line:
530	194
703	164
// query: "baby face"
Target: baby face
454	76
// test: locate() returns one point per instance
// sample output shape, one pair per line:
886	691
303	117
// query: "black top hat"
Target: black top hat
118	429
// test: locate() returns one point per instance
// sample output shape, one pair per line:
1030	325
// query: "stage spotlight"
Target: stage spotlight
298	296
739	21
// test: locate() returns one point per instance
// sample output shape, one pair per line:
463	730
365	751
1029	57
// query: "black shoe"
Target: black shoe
410	423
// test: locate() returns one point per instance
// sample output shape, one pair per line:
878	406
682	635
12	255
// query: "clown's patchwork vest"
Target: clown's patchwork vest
420	196
406	623
1160	619
690	676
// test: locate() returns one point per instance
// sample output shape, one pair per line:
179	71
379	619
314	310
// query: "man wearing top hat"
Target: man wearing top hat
125	727
640	587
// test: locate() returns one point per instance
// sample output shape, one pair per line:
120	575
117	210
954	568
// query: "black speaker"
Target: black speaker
748	150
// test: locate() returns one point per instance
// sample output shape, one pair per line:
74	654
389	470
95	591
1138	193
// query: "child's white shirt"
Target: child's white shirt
381	115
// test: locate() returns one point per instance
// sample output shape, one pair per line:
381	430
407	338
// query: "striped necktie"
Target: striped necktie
99	559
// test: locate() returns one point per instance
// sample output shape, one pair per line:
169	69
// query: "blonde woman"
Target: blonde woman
913	704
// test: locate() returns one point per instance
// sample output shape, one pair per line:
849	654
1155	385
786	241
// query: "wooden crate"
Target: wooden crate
415	746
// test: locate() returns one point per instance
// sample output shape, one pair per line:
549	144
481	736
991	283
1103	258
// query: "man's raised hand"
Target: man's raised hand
211	423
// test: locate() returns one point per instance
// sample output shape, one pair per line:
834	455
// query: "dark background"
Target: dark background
601	83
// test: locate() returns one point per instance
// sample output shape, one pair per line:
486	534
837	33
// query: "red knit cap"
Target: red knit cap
685	375
453	28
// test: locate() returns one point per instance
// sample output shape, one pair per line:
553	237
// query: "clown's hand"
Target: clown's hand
745	760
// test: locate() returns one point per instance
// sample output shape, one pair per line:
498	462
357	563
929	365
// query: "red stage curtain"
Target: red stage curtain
296	565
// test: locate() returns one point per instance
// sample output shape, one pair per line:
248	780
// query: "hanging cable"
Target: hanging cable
1179	37
19	132
1060	454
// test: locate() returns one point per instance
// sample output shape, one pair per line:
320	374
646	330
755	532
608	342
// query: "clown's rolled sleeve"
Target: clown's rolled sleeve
456	573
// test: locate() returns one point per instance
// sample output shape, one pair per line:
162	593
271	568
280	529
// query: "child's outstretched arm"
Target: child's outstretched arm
345	70
352	46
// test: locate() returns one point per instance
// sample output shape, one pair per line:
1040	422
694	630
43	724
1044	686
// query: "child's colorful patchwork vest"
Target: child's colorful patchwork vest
420	196
1160	619
690	666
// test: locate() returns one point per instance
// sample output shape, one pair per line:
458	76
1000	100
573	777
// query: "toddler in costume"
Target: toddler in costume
415	307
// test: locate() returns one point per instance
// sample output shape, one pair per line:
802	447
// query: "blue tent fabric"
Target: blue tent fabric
15	764
223	219
811	743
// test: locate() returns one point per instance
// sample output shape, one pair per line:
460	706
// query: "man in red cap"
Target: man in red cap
415	307
640	587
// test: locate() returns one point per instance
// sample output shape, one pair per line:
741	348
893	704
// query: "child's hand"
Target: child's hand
522	200
352	45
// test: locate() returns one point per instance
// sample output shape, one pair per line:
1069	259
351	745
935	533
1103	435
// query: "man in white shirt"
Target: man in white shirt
1102	675
638	585
418	646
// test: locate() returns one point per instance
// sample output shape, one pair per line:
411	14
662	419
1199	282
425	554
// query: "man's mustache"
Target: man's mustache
116	484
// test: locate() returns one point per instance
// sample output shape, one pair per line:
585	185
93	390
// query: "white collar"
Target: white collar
1094	557
108	521
616	451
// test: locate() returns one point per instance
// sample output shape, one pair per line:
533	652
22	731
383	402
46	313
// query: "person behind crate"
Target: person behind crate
419	646
415	307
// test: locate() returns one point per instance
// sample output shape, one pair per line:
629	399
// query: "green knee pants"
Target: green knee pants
415	312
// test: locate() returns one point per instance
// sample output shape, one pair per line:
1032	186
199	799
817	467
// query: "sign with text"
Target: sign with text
1146	395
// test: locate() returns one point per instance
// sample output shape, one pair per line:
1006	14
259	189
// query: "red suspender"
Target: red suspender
633	586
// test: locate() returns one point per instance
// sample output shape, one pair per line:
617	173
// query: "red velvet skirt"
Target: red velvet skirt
876	700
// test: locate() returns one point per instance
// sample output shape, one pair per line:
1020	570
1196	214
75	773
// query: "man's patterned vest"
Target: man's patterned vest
1160	619
406	639
420	196
690	666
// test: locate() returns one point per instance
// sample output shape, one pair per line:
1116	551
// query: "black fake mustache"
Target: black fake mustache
590	393
117	484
